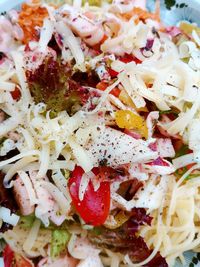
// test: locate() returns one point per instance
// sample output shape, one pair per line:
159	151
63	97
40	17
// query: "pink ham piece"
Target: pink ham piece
22	198
66	261
91	32
8	32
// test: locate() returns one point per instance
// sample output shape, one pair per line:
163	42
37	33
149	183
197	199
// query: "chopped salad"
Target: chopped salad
99	135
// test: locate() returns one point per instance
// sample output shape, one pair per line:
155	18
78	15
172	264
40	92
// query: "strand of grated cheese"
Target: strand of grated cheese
44	160
29	187
19	65
46	34
19	165
70	41
32	236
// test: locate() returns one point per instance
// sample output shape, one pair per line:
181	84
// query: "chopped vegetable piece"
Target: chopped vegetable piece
125	98
129	120
92	2
59	242
143	14
171	111
8	256
125	240
16	94
30	17
95	206
103	85
49	84
11	258
129	58
188	28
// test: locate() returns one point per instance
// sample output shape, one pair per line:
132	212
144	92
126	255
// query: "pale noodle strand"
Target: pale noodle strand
32	236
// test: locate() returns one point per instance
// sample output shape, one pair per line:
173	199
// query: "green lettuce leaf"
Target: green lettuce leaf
59	240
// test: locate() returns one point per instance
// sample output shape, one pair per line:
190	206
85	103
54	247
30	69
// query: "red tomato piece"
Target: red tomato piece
12	259
112	73
95	206
22	262
129	58
16	94
103	85
8	256
190	166
116	91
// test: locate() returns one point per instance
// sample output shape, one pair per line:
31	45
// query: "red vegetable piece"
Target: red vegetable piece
12	259
159	162
8	256
112	73
22	262
103	85
16	94
129	58
95	206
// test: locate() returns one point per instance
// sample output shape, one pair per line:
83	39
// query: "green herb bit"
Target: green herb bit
191	176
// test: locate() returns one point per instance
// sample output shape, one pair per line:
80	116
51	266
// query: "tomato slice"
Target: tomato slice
12	259
112	73
103	85
127	58
95	206
22	262
8	256
16	94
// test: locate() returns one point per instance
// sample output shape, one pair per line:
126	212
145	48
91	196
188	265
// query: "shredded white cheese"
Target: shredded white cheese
8	217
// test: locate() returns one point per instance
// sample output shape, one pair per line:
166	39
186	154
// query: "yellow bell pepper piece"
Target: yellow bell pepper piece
188	28
125	98
129	120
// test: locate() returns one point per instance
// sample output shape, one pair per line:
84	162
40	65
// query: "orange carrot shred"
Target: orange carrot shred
30	17
143	14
